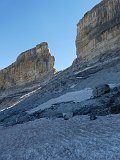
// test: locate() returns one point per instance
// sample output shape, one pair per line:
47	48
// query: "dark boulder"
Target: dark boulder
100	90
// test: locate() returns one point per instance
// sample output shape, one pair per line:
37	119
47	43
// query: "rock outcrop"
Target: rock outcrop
101	90
31	65
98	32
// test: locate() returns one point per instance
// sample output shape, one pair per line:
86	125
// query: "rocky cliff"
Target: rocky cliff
30	65
98	32
69	116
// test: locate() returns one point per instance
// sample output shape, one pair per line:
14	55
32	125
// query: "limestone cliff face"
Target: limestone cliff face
29	66
99	30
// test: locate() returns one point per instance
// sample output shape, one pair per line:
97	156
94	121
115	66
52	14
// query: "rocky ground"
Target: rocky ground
65	117
56	139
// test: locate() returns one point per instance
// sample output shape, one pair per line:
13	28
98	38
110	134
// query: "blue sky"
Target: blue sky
25	23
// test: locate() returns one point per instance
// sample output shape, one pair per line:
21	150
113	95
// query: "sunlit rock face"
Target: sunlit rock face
30	65
98	32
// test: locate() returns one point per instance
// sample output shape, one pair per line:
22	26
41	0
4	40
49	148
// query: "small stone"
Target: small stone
67	115
92	116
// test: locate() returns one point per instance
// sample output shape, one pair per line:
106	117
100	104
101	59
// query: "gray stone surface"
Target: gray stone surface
57	139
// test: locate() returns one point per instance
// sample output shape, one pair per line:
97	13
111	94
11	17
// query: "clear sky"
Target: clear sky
25	23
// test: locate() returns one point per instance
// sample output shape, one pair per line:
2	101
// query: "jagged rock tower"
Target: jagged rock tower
98	32
31	65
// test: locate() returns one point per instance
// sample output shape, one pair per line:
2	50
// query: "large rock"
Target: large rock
115	104
100	90
30	65
98	32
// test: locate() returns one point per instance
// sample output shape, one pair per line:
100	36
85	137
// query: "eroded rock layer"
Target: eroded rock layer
29	66
99	30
